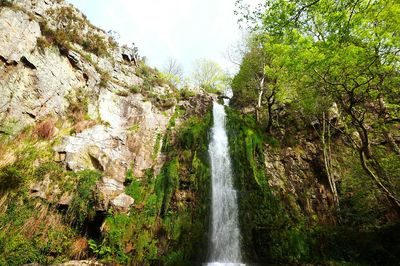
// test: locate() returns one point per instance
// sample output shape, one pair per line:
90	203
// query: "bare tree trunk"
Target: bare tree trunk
388	135
269	122
328	161
259	101
261	92
392	199
392	142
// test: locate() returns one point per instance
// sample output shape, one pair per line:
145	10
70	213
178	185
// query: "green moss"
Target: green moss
134	190
157	147
11	178
81	207
272	231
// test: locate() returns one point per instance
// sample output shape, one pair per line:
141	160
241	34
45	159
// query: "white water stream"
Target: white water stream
225	233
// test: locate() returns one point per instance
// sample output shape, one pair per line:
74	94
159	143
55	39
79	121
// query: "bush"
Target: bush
11	178
6	3
42	43
46	129
71	28
186	93
82	206
104	79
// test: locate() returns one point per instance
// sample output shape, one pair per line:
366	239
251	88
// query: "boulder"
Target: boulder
122	203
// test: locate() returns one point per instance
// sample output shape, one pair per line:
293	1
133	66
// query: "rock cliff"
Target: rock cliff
100	157
50	70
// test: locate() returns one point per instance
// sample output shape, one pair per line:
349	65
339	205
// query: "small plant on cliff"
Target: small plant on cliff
82	205
6	3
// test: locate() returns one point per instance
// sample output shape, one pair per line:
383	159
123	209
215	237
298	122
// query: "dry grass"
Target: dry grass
79	248
34	223
46	129
82	125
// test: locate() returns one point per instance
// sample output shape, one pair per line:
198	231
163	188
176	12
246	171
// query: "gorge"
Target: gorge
105	160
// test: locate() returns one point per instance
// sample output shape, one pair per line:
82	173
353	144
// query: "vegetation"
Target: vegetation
320	71
283	228
69	29
314	142
6	3
173	72
209	76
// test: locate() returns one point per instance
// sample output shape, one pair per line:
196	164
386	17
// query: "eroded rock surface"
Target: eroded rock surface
18	34
112	129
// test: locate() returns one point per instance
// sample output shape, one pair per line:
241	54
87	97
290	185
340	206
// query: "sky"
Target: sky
185	30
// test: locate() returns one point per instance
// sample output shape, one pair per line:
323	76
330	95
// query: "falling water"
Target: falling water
225	234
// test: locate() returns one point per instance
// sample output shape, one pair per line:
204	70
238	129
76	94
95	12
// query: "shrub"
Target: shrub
79	248
82	205
78	107
46	129
6	3
136	89
71	28
186	93
104	79
11	178
42	43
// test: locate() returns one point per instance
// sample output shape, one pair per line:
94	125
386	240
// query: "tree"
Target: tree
261	80
173	71
346	52
208	75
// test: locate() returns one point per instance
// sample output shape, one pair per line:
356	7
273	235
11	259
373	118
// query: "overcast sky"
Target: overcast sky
181	29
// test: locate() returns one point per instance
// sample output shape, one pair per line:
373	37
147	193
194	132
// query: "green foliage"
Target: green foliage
151	78
193	133
184	222
341	52
73	31
11	178
99	250
134	190
130	238
34	228
6	3
185	93
81	207
270	230
209	76
157	147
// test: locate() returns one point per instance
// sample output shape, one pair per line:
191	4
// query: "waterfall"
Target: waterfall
225	234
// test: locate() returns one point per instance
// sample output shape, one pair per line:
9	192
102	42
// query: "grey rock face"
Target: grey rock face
18	34
120	130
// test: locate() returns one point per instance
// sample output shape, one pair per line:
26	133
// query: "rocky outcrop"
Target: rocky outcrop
115	129
18	35
299	172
